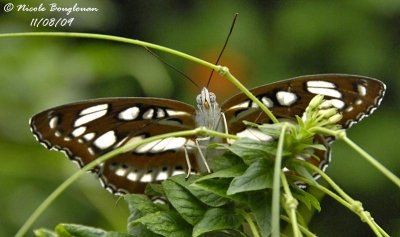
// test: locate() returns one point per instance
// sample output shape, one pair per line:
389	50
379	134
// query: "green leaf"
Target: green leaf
154	190
165	224
217	219
73	230
260	205
301	170
189	207
230	172
258	176
273	130
228	159
250	150
139	206
219	187
308	199
204	196
42	232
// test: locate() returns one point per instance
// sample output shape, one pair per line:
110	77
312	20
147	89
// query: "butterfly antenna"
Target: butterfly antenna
172	67
223	48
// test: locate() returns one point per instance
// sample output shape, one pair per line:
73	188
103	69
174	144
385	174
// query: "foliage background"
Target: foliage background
272	40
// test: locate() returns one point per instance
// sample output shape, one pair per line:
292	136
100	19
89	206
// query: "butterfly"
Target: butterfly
88	129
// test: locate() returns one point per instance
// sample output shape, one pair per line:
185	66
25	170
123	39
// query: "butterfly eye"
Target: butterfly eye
199	99
213	98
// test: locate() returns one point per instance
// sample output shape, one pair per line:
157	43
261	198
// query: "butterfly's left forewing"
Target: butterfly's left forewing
354	96
89	129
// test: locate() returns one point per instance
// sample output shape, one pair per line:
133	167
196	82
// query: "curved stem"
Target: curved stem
302	228
276	189
225	72
50	199
345	199
249	221
291	204
117	39
341	135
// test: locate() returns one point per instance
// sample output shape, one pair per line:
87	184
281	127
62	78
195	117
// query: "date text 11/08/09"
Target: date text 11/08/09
51	22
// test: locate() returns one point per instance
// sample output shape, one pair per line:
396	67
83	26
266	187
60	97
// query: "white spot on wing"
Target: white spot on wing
106	140
78	131
160	113
177	172
171	112
325	91
286	98
121	172
243	105
162	175
362	90
333	102
147	178
95	108
89	117
323	84
132	176
171	143
89	136
267	102
53	122
148	114
129	114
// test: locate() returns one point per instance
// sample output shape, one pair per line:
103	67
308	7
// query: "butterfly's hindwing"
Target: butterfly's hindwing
89	129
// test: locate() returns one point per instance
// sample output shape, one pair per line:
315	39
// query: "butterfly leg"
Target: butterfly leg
189	165
202	155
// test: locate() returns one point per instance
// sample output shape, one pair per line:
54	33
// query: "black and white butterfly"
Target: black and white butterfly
88	129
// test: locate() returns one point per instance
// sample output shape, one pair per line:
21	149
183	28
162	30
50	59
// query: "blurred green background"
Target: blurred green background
272	40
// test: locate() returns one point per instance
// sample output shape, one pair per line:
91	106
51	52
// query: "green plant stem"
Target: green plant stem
345	199
302	228
114	38
248	219
222	70
291	204
341	135
276	189
130	146
225	72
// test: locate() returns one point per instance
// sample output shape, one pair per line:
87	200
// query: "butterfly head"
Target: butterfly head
208	110
206	100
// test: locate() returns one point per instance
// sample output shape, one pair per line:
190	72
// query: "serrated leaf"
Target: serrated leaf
204	196
189	207
258	176
69	230
217	219
42	232
260	205
165	224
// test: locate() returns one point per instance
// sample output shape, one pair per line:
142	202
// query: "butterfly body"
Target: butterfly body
89	129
